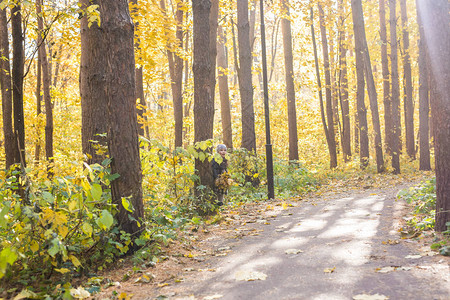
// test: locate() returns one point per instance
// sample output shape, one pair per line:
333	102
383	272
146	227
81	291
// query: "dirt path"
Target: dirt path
334	247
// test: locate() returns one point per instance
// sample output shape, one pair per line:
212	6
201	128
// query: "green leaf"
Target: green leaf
106	220
87	229
201	156
48	197
127	204
96	191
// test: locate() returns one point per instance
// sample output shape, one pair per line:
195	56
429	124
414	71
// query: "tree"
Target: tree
203	100
319	84
385	72
395	93
328	95
245	77
361	45
360	105
7	105
343	85
408	94
424	107
94	126
213	16
17	82
46	82
225	109
289	75
437	34
119	86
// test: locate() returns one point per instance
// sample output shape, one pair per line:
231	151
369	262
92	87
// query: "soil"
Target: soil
343	242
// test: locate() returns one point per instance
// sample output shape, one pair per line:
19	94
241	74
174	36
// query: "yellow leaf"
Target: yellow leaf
62	270
284	205
75	261
34	246
63	231
329	270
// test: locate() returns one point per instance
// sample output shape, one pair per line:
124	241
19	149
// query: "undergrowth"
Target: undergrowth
422	198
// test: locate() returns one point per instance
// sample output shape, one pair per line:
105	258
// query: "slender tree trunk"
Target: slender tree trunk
17	83
319	85
329	105
388	130
46	82
343	86
94	127
7	105
121	102
140	97
290	88
213	16
395	100
245	78
361	45
437	33
203	100
225	107
37	148
408	96
424	108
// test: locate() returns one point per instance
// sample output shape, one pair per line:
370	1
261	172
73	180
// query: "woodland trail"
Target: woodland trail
331	247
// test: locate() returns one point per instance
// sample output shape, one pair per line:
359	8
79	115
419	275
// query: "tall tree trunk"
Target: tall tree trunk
7	105
94	127
176	74
37	148
290	89
17	83
360	103
245	78
225	107
408	95
213	16
46	82
424	108
140	97
395	100
388	130
121	102
203	100
343	85
329	105
319	84
437	33
361	45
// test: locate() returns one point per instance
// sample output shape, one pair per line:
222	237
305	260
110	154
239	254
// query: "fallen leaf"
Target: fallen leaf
163	284
249	276
390	242
329	270
385	269
404	268
293	251
216	296
413	256
370	297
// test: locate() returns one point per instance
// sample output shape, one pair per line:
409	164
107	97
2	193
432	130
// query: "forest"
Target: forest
112	111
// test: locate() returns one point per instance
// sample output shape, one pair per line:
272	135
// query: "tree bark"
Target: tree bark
17	83
424	107
7	104
388	130
360	104
225	107
343	86
37	148
94	124
213	16
290	88
408	94
117	28
328	96
395	100
361	46
437	33
203	100
46	82
245	78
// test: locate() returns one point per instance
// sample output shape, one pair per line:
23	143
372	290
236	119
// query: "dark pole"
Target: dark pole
269	158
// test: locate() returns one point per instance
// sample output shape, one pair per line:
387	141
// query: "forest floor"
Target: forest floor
341	242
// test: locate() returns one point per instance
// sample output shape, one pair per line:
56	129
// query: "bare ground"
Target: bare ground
339	244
